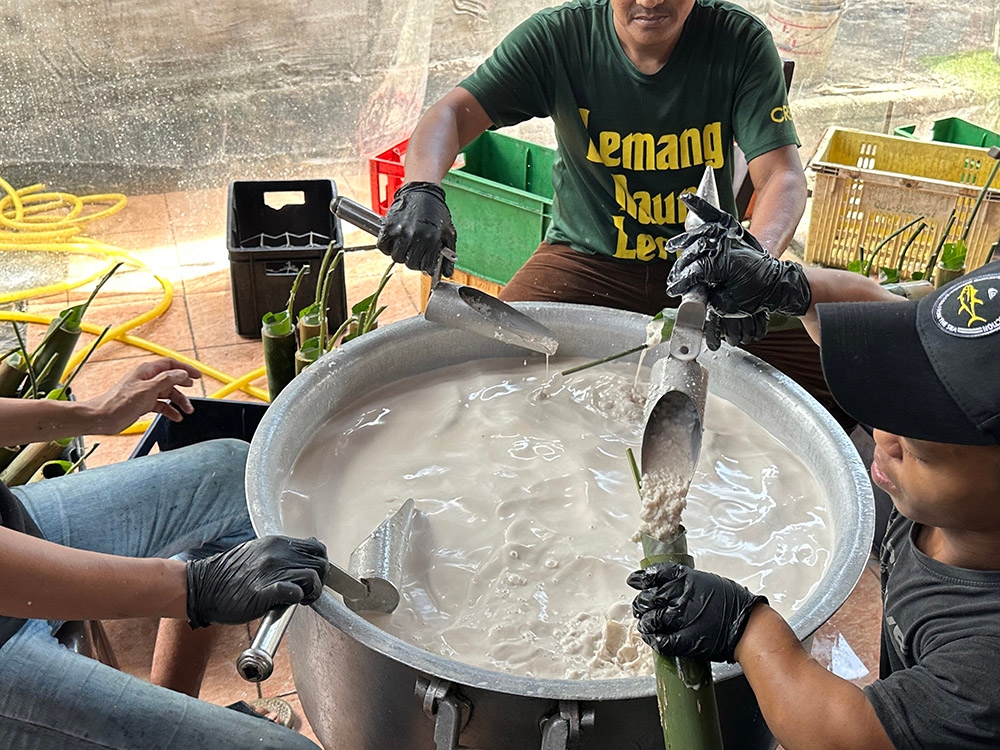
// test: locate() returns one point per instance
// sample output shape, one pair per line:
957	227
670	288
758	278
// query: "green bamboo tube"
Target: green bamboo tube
56	350
685	691
13	372
278	339
310	322
307	354
30	460
947	275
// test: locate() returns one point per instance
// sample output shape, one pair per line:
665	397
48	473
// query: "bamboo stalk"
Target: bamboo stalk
13	371
30	459
685	691
307	354
61	339
7	454
278	338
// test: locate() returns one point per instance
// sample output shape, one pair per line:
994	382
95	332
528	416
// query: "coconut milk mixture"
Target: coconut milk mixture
519	558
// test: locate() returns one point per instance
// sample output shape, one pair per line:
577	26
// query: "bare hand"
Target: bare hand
150	387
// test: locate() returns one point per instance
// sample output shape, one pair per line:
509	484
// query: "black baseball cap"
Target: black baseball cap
927	369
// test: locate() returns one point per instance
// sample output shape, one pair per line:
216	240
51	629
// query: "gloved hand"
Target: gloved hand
692	613
742	278
734	330
243	583
418	228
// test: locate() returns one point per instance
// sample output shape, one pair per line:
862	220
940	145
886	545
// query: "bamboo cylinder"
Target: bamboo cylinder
278	339
310	322
7	454
54	354
13	371
685	692
30	460
947	275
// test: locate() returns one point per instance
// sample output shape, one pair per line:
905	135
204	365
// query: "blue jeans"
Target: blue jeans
186	502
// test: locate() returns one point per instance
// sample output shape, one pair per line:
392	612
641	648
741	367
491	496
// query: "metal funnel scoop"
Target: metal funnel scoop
373	583
458	306
675	404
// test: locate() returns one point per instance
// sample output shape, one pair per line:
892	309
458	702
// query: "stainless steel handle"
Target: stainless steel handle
354	213
257	663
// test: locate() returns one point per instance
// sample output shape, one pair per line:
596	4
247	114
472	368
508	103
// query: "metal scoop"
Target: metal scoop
463	307
373	583
678	386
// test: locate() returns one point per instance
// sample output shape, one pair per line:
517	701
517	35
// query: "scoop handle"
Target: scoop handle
354	213
256	663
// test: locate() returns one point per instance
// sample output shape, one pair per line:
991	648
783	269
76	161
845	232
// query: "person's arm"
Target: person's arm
149	387
779	197
51	582
834	285
418	230
707	617
804	705
447	127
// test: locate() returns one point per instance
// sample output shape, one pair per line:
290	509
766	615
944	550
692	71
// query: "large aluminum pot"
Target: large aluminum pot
363	689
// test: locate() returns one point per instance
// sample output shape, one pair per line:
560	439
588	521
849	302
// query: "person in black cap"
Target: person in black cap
922	374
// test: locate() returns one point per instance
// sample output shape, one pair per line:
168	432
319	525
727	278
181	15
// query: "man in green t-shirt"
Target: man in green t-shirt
643	94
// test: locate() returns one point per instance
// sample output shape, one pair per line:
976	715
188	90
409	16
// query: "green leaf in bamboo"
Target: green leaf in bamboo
61	339
308	353
364	314
895	275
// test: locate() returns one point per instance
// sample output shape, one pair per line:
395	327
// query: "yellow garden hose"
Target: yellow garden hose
34	220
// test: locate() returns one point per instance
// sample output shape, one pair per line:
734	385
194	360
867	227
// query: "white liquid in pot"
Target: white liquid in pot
518	562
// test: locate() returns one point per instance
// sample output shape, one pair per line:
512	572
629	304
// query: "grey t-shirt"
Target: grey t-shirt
940	681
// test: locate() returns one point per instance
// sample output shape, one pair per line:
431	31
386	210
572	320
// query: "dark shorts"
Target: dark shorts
558	273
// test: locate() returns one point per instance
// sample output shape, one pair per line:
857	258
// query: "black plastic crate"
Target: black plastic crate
212	418
273	229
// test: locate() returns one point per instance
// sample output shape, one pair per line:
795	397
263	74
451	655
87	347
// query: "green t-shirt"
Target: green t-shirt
629	144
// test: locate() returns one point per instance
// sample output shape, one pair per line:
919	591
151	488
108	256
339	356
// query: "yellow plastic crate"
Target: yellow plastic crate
869	185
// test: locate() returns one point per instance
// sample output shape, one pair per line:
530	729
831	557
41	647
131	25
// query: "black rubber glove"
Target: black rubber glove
418	228
243	583
734	330
742	278
692	613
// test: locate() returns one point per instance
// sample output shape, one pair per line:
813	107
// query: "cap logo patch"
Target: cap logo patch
970	310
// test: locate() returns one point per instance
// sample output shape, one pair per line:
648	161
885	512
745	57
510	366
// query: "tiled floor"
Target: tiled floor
181	237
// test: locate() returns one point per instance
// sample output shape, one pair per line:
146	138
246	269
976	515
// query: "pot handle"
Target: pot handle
560	730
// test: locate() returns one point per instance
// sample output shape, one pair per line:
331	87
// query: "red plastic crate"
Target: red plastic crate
386	175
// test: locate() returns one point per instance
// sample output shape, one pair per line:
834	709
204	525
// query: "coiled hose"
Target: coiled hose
32	219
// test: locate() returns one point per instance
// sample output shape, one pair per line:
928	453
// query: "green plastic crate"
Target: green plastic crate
501	204
955	130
